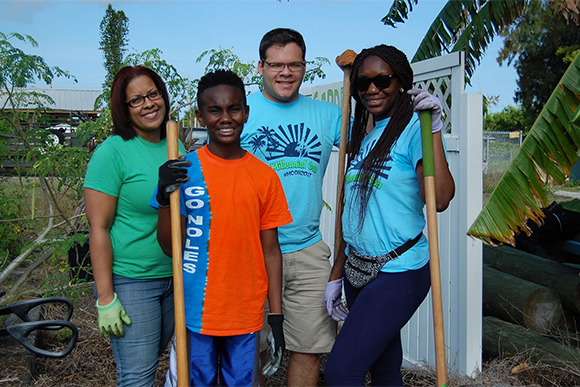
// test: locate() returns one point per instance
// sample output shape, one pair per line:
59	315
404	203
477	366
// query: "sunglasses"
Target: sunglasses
380	81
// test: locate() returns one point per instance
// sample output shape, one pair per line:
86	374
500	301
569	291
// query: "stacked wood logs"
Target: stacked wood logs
531	304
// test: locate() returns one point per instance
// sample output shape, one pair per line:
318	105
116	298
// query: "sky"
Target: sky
67	33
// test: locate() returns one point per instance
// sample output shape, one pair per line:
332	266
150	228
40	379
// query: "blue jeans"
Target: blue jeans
149	304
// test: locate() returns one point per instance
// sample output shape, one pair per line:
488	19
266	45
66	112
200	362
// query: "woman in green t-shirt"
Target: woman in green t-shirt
133	277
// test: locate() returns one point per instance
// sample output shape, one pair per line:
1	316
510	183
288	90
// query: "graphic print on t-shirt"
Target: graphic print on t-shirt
353	173
290	150
195	250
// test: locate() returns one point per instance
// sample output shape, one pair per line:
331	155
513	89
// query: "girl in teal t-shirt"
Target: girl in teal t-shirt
386	272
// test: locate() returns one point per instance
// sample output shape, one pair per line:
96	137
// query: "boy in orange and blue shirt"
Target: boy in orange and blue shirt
231	207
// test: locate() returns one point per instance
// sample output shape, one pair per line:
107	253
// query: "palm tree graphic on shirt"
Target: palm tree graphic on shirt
290	141
358	160
258	142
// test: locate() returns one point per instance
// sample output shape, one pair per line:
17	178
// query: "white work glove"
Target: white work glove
425	101
333	300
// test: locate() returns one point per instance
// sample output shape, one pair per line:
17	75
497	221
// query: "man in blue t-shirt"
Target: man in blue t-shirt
294	135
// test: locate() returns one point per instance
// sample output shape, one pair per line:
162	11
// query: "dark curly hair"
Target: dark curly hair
402	114
217	78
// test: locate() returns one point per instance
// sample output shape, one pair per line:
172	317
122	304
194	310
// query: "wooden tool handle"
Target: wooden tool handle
342	159
437	298
179	302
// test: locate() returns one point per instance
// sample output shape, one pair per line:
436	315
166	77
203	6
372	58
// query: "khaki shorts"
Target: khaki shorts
307	326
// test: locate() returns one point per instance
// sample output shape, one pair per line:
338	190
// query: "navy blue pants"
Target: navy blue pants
370	339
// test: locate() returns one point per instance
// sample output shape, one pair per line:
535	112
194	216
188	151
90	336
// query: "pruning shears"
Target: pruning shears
21	330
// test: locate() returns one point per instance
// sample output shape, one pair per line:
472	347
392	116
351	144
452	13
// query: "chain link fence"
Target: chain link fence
499	148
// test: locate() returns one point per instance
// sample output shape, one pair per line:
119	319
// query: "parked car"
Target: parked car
59	133
195	138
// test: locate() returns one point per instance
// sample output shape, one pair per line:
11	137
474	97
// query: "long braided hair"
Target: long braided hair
402	114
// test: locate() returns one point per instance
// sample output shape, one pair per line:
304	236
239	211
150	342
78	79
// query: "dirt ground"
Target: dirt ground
91	363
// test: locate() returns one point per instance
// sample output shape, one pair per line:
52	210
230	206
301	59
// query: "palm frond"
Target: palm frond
443	31
399	12
469	26
549	151
483	26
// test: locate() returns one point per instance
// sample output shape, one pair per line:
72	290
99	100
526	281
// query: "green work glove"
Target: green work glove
112	317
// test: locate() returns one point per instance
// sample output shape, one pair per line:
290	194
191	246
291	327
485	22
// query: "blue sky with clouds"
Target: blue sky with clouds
68	33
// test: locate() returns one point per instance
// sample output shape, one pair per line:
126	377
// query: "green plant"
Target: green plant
548	153
63	335
10	232
510	119
35	207
570	184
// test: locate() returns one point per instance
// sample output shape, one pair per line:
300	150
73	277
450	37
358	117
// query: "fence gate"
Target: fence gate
461	256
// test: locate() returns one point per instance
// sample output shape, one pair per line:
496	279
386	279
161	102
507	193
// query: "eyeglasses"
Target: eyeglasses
277	67
380	81
140	100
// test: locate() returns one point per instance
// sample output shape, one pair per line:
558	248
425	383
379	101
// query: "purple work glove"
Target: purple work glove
333	300
425	101
171	175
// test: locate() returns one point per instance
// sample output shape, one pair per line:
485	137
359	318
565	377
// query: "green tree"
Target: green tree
536	45
114	29
510	119
52	169
18	69
548	152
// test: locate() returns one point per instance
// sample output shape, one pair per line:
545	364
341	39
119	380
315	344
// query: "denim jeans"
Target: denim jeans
149	304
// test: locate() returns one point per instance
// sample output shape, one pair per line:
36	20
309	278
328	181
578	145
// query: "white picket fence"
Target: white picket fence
460	255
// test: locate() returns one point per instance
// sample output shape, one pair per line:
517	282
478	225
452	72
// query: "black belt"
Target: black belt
393	254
